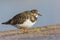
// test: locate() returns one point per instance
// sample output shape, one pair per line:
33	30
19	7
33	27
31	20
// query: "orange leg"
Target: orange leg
24	30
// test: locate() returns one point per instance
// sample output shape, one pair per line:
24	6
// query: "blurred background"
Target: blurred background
49	10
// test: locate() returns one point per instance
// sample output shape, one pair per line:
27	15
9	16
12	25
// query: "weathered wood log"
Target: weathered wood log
33	32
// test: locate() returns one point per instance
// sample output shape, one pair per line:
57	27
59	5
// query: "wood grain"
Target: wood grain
32	33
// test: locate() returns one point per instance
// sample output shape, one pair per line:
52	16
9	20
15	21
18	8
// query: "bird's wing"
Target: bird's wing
18	19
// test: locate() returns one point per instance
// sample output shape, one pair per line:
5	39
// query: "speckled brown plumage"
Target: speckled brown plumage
21	17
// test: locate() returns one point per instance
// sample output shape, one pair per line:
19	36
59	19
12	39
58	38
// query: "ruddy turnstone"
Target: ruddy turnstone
24	19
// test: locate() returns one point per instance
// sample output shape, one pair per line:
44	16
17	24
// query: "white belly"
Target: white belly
27	23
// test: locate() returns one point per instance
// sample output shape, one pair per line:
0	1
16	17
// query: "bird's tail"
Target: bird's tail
8	22
5	23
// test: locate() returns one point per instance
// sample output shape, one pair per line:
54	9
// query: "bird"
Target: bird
23	20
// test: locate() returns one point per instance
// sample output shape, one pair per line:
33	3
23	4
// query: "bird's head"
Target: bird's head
35	13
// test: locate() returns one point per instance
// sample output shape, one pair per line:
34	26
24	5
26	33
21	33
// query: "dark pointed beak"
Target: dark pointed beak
39	14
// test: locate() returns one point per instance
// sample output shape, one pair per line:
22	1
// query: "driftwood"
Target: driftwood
32	33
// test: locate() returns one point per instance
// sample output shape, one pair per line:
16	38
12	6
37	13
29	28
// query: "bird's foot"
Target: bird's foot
24	30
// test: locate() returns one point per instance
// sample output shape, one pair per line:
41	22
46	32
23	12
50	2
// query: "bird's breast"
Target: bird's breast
27	23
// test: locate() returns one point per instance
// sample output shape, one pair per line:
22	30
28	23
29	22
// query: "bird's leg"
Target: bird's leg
24	30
